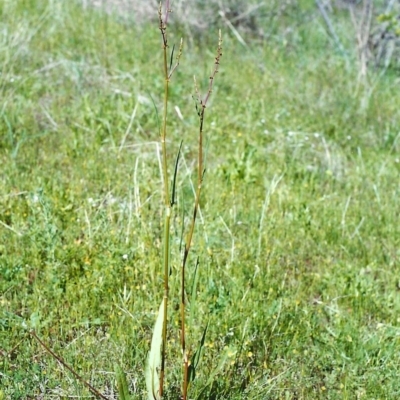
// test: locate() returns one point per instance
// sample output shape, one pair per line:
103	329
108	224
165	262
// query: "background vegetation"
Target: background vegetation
299	238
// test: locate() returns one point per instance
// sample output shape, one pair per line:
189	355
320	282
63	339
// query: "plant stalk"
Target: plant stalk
167	211
188	244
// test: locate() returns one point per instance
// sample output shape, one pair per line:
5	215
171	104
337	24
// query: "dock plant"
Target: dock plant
156	365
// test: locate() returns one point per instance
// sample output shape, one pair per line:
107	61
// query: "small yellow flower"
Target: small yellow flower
231	353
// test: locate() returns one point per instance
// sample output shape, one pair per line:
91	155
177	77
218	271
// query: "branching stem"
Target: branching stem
200	175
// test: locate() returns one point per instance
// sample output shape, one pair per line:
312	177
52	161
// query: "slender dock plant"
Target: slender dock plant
168	202
156	366
155	378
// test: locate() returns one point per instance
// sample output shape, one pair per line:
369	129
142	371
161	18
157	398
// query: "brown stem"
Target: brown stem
200	174
65	365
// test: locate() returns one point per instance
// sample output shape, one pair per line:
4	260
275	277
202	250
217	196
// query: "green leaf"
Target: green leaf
175	174
388	17
223	360
196	357
154	359
122	383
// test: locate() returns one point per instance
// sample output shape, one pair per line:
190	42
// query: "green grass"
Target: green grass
299	236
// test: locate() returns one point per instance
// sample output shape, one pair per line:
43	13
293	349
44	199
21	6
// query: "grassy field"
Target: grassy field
299	233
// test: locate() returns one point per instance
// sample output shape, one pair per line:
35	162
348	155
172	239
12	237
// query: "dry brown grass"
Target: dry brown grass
198	15
139	9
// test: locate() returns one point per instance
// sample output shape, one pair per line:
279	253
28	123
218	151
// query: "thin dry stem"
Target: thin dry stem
200	174
167	11
216	67
362	29
65	365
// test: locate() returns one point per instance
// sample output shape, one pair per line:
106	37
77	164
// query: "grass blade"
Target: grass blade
122	383
224	359
196	357
172	57
175	174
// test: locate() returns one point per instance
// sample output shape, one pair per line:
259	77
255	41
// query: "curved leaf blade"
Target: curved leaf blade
154	360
